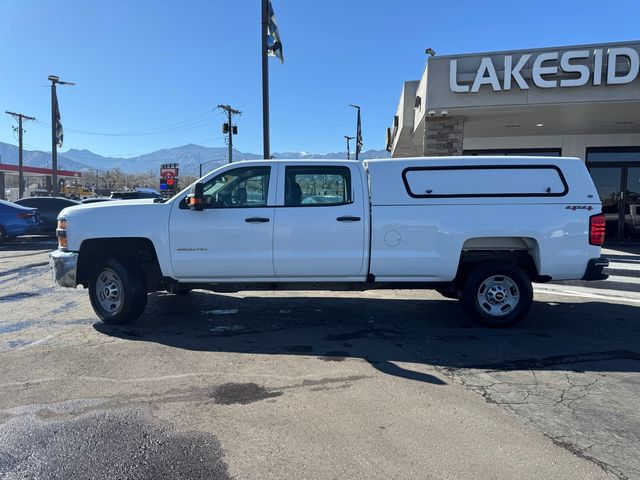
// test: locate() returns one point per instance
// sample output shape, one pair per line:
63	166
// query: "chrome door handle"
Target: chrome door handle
348	218
256	220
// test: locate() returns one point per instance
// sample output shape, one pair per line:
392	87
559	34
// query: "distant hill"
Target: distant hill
188	156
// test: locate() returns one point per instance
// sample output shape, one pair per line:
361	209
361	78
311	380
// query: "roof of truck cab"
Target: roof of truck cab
297	160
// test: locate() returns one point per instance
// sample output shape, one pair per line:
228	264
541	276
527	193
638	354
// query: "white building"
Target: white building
580	101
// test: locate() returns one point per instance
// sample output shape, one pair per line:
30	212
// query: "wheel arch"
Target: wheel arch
522	251
137	251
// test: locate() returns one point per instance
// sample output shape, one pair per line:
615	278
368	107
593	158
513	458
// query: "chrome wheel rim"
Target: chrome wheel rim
498	295
109	291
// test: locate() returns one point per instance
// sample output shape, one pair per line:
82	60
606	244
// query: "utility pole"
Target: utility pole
56	133
229	127
20	117
348	149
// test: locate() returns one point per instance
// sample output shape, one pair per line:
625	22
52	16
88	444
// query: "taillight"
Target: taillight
596	229
26	215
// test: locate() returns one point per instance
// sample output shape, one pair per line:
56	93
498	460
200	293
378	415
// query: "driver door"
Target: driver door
232	237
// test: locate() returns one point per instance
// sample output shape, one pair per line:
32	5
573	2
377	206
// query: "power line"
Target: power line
176	127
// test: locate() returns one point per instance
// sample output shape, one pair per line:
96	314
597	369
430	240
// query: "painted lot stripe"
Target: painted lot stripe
581	292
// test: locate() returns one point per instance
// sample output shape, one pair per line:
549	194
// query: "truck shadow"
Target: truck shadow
390	333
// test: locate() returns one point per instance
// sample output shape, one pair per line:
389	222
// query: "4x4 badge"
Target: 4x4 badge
579	207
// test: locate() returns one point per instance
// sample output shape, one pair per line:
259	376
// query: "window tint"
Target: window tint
242	187
485	181
315	186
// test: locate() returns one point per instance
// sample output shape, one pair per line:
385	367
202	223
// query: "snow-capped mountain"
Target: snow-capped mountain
188	156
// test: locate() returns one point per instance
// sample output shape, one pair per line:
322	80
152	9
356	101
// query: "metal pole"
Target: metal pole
20	172
200	166
54	144
20	117
348	146
265	82
230	136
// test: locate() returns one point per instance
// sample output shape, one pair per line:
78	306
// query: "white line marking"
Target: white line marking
574	292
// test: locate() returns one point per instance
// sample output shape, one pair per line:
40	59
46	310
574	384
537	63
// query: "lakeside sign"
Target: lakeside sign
549	70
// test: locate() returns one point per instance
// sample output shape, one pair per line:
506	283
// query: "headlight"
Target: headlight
61	233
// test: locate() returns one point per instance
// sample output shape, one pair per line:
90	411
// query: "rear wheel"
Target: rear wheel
117	292
497	295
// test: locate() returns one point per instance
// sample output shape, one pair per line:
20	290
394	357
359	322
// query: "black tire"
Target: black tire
497	294
129	303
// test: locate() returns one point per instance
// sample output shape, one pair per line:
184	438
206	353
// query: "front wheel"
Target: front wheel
117	292
497	295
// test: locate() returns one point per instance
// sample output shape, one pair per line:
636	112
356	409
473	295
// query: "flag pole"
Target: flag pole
54	139
265	81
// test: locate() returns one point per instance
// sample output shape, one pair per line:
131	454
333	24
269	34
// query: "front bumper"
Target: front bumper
594	269
63	267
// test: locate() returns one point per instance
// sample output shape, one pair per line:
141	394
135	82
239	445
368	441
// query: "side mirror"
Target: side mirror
195	200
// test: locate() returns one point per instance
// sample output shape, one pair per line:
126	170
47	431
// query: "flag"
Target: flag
58	126
359	143
274	45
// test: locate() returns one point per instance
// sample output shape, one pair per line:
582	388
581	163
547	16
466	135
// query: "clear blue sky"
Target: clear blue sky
144	64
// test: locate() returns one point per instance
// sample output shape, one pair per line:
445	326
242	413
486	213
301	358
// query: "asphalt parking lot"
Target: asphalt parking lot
384	384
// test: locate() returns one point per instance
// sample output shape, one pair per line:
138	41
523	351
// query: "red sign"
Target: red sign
169	172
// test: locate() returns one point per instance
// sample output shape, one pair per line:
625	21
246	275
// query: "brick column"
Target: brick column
443	136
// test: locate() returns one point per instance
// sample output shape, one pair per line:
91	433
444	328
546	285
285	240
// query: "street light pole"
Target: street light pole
204	163
358	132
55	115
348	149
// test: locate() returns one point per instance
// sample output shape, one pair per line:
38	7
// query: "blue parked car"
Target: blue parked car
16	220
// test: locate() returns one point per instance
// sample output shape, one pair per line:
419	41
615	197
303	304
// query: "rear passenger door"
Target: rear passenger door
319	222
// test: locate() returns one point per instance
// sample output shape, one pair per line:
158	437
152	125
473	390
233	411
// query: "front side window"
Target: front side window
316	186
238	188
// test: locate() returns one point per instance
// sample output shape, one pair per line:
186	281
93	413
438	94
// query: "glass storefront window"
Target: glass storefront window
616	174
613	155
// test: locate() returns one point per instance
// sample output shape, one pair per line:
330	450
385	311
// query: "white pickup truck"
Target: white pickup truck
479	229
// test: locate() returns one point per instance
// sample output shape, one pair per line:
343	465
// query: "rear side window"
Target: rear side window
317	186
485	181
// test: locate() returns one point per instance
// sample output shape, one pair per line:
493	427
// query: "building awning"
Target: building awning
13	169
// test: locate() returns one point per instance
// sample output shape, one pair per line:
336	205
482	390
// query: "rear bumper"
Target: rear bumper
63	267
594	269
